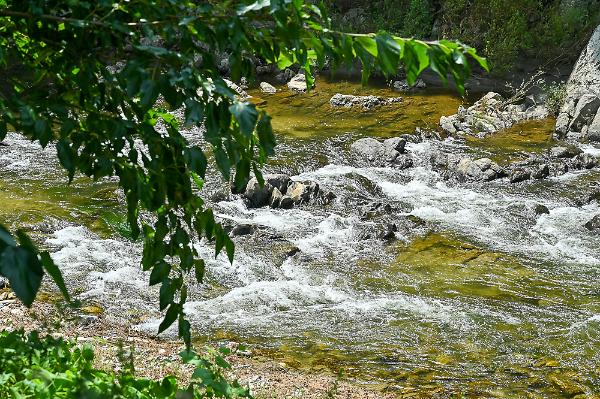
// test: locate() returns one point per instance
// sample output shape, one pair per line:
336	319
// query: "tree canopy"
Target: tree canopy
99	81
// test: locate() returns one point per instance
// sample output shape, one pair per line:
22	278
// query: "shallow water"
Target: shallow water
475	296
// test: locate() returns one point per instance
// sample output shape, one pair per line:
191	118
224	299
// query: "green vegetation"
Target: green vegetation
44	367
504	29
99	80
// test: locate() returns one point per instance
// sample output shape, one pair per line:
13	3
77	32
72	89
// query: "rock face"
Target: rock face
267	88
279	191
489	115
579	114
366	102
298	84
390	152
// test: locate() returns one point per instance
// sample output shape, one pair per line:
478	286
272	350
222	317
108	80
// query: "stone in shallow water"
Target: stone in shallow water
267	88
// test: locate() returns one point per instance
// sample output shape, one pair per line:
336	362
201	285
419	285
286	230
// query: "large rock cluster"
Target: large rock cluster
387	153
280	191
489	115
557	161
579	115
366	102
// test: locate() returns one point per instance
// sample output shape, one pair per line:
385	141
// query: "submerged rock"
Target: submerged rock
390	152
366	102
489	115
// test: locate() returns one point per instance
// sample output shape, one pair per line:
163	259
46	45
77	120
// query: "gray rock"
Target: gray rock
267	88
565	151
4	282
540	171
593	224
366	102
298	84
397	143
374	209
286	202
403	86
285	76
243	230
519	175
585	112
593	133
280	181
256	195
382	154
483	169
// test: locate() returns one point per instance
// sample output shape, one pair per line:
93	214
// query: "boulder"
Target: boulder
298	83
483	169
256	195
243	230
565	151
390	152
298	192
580	107
366	102
519	175
267	88
285	76
540	171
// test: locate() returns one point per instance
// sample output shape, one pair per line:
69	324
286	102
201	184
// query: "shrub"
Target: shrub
47	368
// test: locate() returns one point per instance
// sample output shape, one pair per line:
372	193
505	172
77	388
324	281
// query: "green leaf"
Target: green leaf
23	269
196	160
54	272
170	317
246	117
389	53
159	272
199	269
167	293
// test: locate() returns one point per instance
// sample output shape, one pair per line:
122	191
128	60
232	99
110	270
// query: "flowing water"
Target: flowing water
474	297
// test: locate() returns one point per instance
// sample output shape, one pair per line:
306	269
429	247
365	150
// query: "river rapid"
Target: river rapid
474	295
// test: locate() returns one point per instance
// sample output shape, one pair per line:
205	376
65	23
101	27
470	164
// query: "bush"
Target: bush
45	367
555	96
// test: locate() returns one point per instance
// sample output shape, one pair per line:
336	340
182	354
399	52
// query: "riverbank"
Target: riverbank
157	358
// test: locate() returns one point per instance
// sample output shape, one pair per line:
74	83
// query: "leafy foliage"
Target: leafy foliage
100	81
46	367
553	31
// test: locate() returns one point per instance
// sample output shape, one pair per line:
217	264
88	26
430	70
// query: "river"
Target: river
473	296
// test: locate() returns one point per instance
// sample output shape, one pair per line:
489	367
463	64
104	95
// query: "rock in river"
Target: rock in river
390	152
366	102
